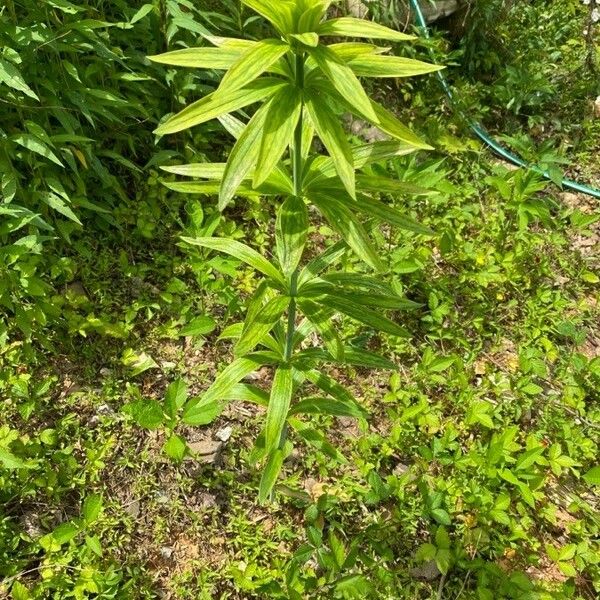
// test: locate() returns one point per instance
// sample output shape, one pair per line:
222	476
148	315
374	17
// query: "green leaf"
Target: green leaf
328	128
59	205
327	406
361	28
253	63
270	474
93	543
9	461
203	410
175	447
280	122
291	232
65	532
212	106
241	252
276	11
34	144
320	318
145	10
202	170
529	458
11	76
389	123
309	39
343	80
441	516
593	476
175	397
355	586
341	218
146	413
246	392
316	439
19	592
376	65
198	326
330	386
279	404
366	154
203	58
91	508
243	157
382	212
260	324
363	314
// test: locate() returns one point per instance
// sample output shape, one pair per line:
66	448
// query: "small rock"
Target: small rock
597	107
104	372
166	552
206	500
162	498
224	434
400	469
133	509
104	410
205	451
427	571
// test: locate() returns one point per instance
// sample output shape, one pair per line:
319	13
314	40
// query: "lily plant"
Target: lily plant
300	85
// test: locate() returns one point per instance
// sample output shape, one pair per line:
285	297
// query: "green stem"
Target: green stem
298	168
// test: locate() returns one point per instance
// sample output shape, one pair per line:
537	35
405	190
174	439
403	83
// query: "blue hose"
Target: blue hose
483	135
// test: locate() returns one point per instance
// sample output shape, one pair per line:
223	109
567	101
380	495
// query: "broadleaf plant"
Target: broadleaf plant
301	86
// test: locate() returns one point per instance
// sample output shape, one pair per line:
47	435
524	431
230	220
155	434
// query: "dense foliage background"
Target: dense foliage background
475	475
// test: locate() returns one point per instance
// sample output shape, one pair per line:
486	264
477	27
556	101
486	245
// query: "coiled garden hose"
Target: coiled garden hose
482	134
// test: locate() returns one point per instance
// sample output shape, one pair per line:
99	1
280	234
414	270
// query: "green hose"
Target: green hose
483	135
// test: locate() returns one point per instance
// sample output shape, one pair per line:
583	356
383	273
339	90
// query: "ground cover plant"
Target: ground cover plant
474	470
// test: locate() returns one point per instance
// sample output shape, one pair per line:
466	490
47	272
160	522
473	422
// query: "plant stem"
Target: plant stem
297	176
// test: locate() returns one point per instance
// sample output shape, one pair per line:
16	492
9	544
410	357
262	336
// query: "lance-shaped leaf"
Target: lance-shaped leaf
383	212
361	28
328	406
330	386
240	251
388	185
211	106
309	39
253	63
278	12
203	410
201	170
363	314
366	154
343	80
389	301
384	120
334	138
320	319
243	157
348	51
343	220
260	324
279	404
316	439
291	231
280	122
321	262
202	58
376	65
352	356
271	471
